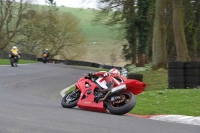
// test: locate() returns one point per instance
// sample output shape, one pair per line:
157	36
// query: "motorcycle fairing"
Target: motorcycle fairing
134	86
101	81
86	100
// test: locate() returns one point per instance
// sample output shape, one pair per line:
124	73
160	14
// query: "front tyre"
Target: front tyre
122	106
44	60
70	100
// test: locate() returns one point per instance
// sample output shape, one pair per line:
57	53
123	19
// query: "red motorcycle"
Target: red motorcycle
89	95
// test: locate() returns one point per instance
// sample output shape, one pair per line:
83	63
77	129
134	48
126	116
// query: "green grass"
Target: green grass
158	99
168	101
155	80
7	61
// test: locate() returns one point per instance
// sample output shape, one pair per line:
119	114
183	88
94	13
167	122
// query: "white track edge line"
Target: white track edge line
62	93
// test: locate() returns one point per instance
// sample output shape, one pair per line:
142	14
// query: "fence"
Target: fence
4	55
81	63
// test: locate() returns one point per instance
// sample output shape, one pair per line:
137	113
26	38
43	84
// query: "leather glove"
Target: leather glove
90	74
106	74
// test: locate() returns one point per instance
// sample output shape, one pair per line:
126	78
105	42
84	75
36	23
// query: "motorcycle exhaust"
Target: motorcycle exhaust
118	88
104	98
114	90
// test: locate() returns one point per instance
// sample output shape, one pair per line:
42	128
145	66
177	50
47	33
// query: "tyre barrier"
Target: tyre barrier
175	72
176	75
175	65
192	74
80	63
183	75
176	85
135	76
192	65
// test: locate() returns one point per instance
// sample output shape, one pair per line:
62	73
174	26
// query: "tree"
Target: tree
31	34
68	38
11	16
129	15
191	26
143	24
120	14
159	36
179	34
64	37
51	2
49	28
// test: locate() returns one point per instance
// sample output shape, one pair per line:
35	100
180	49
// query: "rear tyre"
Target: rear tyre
192	85
192	79
70	100
192	65
192	72
123	106
12	62
175	72
176	79
175	65
176	85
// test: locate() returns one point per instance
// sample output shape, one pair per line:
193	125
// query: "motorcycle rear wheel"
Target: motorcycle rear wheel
122	106
12	61
70	100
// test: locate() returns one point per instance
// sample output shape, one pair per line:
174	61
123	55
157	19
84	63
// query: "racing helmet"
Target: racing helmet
14	47
114	72
46	49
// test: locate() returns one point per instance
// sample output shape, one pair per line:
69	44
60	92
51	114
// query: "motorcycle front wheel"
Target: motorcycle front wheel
123	105
44	60
70	100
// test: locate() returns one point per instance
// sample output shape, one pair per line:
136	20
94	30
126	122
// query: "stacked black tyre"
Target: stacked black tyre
176	78
136	76
192	74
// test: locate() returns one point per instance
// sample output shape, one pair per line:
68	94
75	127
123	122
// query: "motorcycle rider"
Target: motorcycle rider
46	52
13	51
112	78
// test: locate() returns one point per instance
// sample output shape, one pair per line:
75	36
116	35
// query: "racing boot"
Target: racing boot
110	86
107	91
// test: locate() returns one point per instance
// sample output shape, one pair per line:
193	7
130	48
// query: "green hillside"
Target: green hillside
93	33
101	41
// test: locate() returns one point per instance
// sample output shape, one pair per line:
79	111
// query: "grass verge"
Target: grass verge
168	101
7	61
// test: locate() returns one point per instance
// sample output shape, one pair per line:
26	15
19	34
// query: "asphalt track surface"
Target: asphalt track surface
30	103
